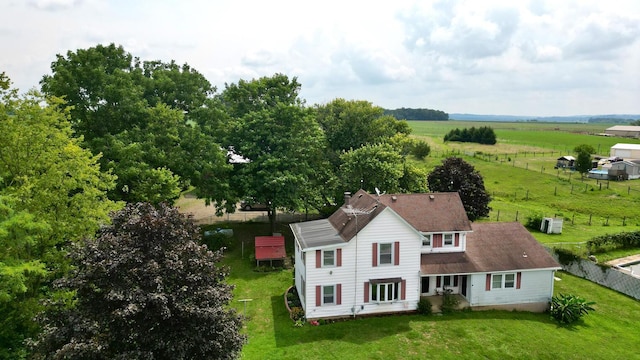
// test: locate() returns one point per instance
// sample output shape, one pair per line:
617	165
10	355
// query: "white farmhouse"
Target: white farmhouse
381	254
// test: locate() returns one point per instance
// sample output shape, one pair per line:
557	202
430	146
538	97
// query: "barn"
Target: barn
625	151
623	131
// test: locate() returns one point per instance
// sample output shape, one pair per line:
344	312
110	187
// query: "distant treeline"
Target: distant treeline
481	135
417	114
611	120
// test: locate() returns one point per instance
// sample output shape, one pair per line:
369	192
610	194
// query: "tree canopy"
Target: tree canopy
144	118
52	193
278	137
417	114
482	135
456	175
583	159
143	289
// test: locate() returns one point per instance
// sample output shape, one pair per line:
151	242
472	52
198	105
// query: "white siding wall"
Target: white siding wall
387	227
536	286
300	274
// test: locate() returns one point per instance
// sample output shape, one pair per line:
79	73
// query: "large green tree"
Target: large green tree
52	193
144	289
354	123
583	159
457	175
278	137
144	117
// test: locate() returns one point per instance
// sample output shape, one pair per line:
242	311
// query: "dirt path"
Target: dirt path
202	214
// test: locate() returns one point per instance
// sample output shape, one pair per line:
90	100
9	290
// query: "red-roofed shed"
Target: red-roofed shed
270	248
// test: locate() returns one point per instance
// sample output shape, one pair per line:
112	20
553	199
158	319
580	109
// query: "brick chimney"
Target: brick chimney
347	198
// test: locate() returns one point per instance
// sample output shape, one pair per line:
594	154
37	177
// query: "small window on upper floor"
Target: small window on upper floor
448	239
426	240
329	258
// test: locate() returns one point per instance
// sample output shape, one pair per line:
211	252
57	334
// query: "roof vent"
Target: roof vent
394	198
524	254
431	197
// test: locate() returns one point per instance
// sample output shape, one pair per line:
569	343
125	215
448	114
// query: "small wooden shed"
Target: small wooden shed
270	248
565	162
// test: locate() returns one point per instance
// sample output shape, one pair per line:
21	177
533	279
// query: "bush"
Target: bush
421	149
566	257
297	313
534	222
424	307
569	308
449	302
216	241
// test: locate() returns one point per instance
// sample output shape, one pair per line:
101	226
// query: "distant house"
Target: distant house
565	162
381	254
623	131
625	151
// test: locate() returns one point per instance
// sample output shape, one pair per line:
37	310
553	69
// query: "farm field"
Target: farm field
518	172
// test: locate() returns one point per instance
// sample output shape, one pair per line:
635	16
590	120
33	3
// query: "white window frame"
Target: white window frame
499	281
385	289
390	254
303	255
324	258
427	240
325	294
511	283
451	240
445	279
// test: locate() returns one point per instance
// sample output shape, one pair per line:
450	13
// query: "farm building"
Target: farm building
625	151
382	254
628	169
565	162
623	131
270	248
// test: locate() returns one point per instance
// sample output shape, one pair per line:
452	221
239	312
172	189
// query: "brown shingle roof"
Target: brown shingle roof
430	212
492	247
434	212
362	207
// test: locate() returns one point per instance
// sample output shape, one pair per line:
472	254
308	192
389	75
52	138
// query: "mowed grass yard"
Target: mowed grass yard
519	174
609	332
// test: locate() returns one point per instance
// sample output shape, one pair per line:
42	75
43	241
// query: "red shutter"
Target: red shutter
339	257
366	292
457	239
318	258
438	281
488	283
437	240
374	258
519	280
318	296
339	294
403	291
396	253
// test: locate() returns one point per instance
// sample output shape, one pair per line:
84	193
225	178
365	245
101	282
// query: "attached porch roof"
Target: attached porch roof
492	247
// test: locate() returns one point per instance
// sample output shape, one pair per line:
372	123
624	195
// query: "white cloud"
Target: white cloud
494	56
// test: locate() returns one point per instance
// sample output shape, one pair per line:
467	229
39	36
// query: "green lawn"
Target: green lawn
610	332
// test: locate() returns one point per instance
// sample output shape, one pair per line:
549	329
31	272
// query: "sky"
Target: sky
534	58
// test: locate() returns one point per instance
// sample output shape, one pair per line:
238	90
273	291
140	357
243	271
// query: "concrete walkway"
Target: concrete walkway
624	260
